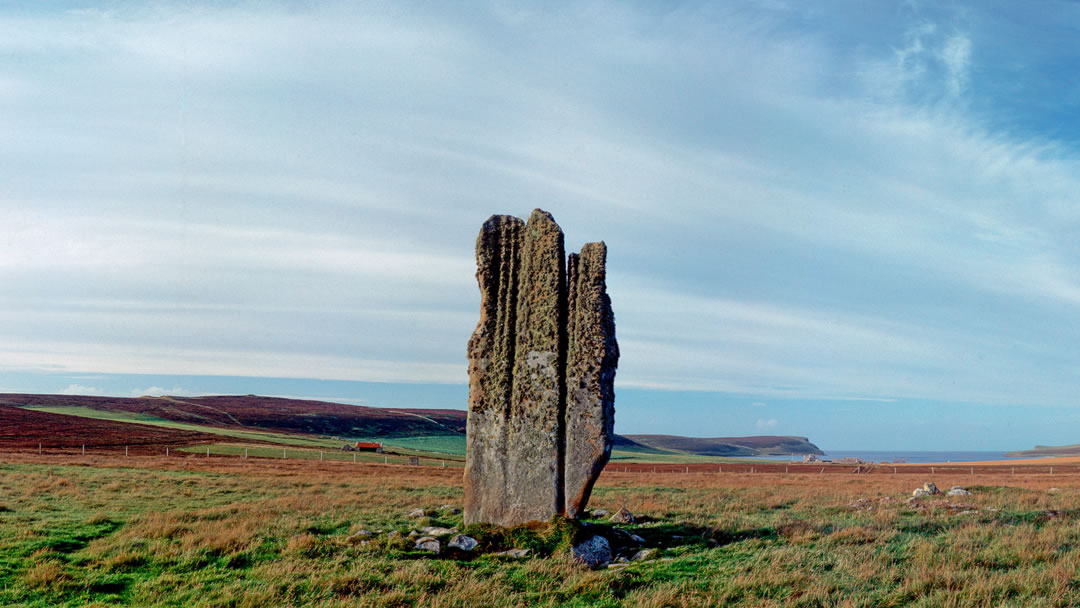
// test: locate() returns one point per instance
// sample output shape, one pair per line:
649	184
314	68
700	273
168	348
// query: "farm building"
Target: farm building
364	446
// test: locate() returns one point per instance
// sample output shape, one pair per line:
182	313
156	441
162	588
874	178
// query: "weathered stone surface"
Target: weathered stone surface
594	552
541	371
463	543
491	367
534	475
429	544
591	359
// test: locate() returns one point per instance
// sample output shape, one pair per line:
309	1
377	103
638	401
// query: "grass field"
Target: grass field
193	531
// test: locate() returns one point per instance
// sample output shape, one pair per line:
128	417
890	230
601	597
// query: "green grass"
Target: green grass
224	532
336	455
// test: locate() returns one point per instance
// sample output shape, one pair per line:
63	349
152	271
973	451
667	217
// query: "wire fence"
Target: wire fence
250	452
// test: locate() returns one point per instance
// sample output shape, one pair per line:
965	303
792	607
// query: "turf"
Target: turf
196	531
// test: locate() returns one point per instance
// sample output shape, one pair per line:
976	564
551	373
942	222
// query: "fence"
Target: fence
242	451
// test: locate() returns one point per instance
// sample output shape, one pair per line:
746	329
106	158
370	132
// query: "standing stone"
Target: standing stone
534	490
541	371
491	367
592	355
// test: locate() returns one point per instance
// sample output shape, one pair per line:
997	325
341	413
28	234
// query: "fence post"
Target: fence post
39	448
284	453
125	450
931	470
687	469
245	452
785	469
84	449
822	471
443	462
207	451
384	459
320	455
166	450
1051	470
354	457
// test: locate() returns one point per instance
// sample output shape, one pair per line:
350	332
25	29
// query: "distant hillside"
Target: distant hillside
268	413
727	446
20	428
1049	450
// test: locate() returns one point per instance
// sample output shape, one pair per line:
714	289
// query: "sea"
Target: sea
911	456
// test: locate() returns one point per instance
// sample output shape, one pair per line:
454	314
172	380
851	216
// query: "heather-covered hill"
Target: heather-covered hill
267	413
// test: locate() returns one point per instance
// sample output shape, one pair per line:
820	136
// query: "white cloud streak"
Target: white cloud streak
296	193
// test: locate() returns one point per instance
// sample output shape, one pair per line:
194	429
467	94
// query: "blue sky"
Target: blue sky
847	220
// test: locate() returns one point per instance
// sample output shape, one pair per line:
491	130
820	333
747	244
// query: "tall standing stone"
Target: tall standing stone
541	370
534	491
491	367
592	355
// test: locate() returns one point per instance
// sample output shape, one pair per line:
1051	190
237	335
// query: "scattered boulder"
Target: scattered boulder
515	553
931	488
594	552
642	555
958	491
623	516
426	543
359	535
416	514
435	531
393	534
452	510
920	492
462	542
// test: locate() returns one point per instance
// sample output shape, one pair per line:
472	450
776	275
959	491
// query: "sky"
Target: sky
851	221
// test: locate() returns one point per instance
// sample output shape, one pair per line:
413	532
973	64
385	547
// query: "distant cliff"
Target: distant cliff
762	445
1049	450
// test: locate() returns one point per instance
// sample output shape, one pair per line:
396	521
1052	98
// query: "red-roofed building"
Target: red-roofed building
368	446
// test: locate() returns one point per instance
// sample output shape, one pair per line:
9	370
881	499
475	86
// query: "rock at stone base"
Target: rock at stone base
427	543
598	513
958	491
416	513
931	488
434	531
515	553
920	492
462	542
622	516
642	555
594	552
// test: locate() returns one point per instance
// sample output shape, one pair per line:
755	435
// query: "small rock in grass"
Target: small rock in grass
594	552
515	553
622	516
427	543
931	488
464	543
919	493
958	491
393	534
642	555
435	531
1052	490
597	513
416	513
359	534
637	539
413	533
